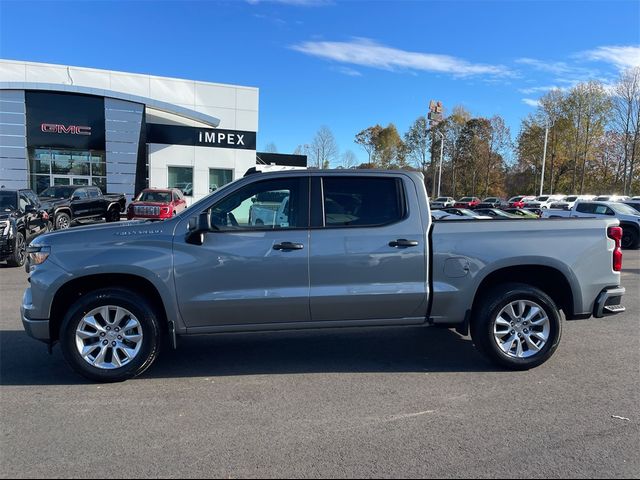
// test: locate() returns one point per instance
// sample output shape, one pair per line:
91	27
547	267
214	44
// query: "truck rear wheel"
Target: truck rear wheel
62	221
113	215
517	326
110	335
629	237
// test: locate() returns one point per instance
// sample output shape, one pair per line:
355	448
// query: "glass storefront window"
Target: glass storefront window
219	178
66	167
181	178
100	182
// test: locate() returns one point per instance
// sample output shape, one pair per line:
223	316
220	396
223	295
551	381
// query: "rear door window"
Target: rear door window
362	201
586	208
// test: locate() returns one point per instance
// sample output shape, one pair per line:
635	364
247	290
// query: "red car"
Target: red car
519	201
467	202
157	203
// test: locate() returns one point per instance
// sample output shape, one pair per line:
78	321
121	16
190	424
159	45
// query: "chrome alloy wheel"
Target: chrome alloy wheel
62	222
521	329
109	337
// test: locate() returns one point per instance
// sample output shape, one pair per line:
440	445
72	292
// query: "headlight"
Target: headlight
38	254
4	227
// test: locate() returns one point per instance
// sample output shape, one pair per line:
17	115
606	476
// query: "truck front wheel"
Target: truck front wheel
517	326
113	215
110	335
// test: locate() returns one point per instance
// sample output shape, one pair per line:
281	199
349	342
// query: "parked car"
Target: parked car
112	294
443	202
66	204
22	219
495	213
465	212
611	198
637	198
155	203
544	201
569	201
629	218
635	204
491	202
521	212
467	202
519	201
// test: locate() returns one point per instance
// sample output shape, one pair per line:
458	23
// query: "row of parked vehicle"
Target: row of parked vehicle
625	209
25	215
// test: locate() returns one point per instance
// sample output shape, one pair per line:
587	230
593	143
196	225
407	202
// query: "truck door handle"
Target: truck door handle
288	246
402	242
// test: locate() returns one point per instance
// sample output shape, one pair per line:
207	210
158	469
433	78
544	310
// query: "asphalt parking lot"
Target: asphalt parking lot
384	403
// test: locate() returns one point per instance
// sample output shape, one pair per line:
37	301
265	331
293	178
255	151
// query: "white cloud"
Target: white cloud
547	88
368	53
621	56
351	72
531	102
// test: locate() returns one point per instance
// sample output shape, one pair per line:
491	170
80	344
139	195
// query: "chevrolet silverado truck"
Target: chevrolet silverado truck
111	295
67	204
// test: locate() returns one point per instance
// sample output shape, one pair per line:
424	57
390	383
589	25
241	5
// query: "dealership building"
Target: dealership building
64	125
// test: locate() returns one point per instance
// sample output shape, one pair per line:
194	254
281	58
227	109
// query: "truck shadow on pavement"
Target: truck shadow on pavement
381	350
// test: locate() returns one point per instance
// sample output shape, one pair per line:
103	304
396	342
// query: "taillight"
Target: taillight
615	234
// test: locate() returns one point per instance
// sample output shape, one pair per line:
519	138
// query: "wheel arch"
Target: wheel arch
74	289
549	279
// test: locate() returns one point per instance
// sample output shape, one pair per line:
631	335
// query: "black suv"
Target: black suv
22	218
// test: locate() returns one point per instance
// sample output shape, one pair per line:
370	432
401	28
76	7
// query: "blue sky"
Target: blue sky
347	65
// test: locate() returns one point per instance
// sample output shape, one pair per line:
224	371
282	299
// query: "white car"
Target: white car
443	202
612	198
544	201
568	202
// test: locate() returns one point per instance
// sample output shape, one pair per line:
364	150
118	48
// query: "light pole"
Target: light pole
441	153
544	156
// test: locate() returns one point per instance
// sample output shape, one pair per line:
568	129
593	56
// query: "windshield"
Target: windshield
159	197
624	209
57	192
572	198
491	199
442	199
8	201
515	199
603	198
543	199
466	199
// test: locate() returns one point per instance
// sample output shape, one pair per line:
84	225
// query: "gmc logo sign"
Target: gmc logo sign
70	129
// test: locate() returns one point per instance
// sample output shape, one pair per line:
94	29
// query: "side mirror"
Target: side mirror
75	197
29	208
198	226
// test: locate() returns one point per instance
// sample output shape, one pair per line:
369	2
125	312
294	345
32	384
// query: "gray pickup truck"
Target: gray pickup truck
357	249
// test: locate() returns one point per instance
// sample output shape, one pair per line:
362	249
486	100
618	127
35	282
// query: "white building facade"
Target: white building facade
64	125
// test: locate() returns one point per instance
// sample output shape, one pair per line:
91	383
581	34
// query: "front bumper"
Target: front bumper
38	329
609	302
7	246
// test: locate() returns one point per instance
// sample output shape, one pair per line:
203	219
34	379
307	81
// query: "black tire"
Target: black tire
62	221
119	297
19	255
630	238
113	215
484	320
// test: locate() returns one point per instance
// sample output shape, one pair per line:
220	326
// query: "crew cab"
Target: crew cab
111	294
628	216
21	220
568	202
155	203
66	204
